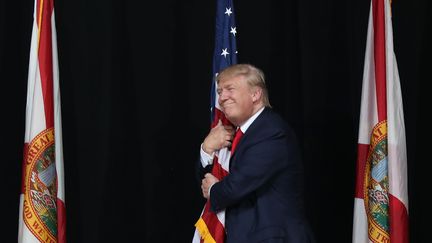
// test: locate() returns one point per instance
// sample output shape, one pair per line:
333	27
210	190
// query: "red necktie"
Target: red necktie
236	140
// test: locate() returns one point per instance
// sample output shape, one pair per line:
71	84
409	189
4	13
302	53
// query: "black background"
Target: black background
135	82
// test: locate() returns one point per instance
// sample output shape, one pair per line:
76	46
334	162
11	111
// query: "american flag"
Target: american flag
225	52
210	226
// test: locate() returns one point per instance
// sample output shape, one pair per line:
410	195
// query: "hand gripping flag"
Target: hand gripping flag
42	200
381	200
211	226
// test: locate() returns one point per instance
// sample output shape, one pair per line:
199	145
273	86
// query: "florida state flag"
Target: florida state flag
42	200
381	200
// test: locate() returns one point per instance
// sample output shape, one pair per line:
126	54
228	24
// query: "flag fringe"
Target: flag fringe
204	232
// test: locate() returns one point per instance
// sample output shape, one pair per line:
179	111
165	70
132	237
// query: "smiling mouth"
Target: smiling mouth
228	104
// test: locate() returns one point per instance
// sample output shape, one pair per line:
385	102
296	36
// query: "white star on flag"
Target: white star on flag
224	52
233	31
228	11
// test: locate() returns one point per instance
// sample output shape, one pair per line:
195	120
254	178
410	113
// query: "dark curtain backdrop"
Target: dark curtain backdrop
135	81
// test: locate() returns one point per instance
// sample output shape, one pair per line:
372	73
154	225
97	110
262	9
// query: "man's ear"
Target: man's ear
256	95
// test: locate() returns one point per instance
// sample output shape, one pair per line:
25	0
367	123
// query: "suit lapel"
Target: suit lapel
249	133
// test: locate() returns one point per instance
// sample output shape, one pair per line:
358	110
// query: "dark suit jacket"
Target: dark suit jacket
263	193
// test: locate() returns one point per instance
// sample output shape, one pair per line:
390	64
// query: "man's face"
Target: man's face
236	99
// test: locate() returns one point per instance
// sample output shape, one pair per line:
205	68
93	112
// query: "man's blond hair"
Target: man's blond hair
252	75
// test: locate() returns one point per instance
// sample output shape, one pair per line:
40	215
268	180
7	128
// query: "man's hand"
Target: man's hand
206	183
219	137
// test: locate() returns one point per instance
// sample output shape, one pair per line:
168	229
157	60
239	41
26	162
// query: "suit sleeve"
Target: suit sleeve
255	166
201	171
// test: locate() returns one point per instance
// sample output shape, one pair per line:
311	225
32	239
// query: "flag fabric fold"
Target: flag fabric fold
381	195
42	215
210	227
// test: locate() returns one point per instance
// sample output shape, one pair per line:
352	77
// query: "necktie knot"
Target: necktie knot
238	134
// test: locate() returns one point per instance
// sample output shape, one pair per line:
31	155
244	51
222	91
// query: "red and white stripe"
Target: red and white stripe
43	110
381	100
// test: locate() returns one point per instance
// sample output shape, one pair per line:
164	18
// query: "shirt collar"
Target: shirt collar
249	121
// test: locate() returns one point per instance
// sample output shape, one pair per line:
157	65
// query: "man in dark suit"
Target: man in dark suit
263	192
